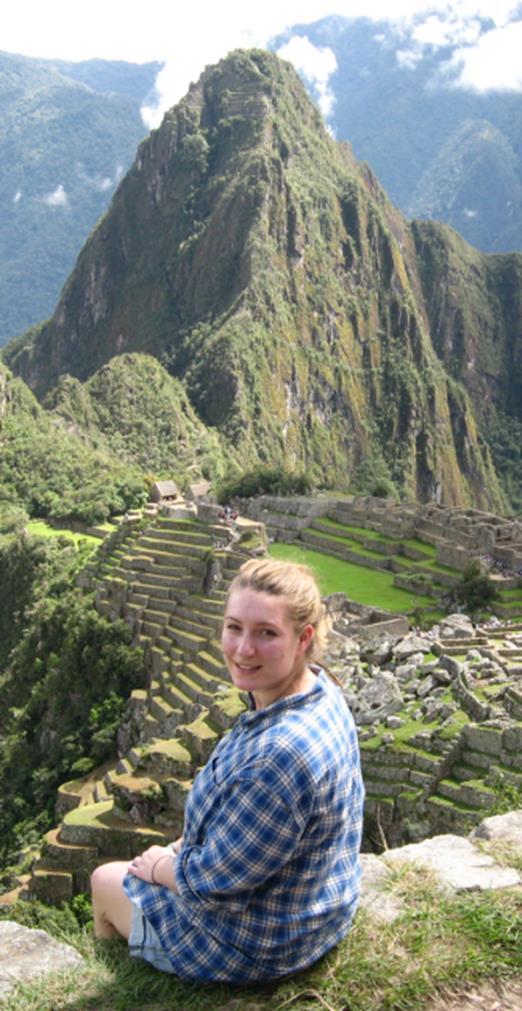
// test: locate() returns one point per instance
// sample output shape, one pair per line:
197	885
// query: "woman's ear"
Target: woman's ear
306	636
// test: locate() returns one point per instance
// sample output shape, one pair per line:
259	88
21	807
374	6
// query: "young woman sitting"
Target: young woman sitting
265	878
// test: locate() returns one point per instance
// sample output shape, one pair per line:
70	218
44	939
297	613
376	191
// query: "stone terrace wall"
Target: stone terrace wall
459	535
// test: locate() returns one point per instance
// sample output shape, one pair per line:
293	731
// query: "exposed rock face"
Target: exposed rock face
27	954
269	271
456	864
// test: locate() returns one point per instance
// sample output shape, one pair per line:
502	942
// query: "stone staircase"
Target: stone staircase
158	581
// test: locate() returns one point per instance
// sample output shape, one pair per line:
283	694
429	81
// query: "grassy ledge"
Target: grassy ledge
440	943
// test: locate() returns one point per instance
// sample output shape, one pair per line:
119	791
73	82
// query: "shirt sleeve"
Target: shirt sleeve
253	835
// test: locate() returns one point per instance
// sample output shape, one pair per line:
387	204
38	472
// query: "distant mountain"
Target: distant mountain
307	323
441	151
69	132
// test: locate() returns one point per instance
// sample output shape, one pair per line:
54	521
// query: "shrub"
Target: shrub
474	592
264	481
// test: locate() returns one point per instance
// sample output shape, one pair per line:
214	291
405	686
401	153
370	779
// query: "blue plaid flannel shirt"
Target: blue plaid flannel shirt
268	876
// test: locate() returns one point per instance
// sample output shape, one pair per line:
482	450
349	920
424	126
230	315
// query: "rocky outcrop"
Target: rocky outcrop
28	954
455	864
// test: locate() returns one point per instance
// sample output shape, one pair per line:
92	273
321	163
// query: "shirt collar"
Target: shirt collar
288	702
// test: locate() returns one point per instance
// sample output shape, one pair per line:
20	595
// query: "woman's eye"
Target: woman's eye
231	627
268	633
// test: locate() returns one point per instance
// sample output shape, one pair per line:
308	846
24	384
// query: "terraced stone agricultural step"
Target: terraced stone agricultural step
180	535
97	825
166	643
163	759
128	790
225	707
207	622
213	649
452	647
202	677
473	793
448	816
193	689
99	793
160	549
153	583
188	624
66	856
187	641
162	709
48	884
200	739
374	788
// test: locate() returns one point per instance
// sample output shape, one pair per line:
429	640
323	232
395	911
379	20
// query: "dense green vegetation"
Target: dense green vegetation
475	592
69	131
133	408
51	472
27	565
264	481
62	697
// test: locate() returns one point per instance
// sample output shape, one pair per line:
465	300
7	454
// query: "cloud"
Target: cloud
439	31
316	64
493	64
98	182
58	198
17	197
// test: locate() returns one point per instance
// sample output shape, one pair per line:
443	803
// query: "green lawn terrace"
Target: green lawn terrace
167	577
418	550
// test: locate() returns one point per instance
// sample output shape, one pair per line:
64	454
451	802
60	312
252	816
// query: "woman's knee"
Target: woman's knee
108	876
112	909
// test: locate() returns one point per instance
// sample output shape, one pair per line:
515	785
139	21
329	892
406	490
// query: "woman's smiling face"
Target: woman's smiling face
263	649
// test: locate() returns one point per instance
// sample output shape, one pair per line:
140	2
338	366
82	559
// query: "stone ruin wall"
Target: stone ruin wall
459	535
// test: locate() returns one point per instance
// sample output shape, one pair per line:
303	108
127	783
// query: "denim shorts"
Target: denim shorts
144	942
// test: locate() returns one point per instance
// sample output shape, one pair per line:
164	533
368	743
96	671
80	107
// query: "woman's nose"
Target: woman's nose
245	645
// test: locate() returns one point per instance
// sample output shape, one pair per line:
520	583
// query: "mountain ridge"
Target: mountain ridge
269	272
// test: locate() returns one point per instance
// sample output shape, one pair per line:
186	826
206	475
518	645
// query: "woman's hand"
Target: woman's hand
155	865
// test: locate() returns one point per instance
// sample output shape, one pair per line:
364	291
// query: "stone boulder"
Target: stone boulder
375	701
26	954
456	863
410	645
503	828
456	626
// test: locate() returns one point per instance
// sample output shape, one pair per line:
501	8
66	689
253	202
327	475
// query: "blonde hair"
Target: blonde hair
296	583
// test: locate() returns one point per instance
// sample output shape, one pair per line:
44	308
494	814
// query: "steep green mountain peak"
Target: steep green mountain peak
268	271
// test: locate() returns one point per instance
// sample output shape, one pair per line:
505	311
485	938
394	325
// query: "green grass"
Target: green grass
349	543
515	594
349	528
366	586
39	528
440	942
413	542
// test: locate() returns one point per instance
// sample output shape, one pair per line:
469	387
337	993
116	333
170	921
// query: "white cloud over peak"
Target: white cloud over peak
438	31
58	198
494	63
316	64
